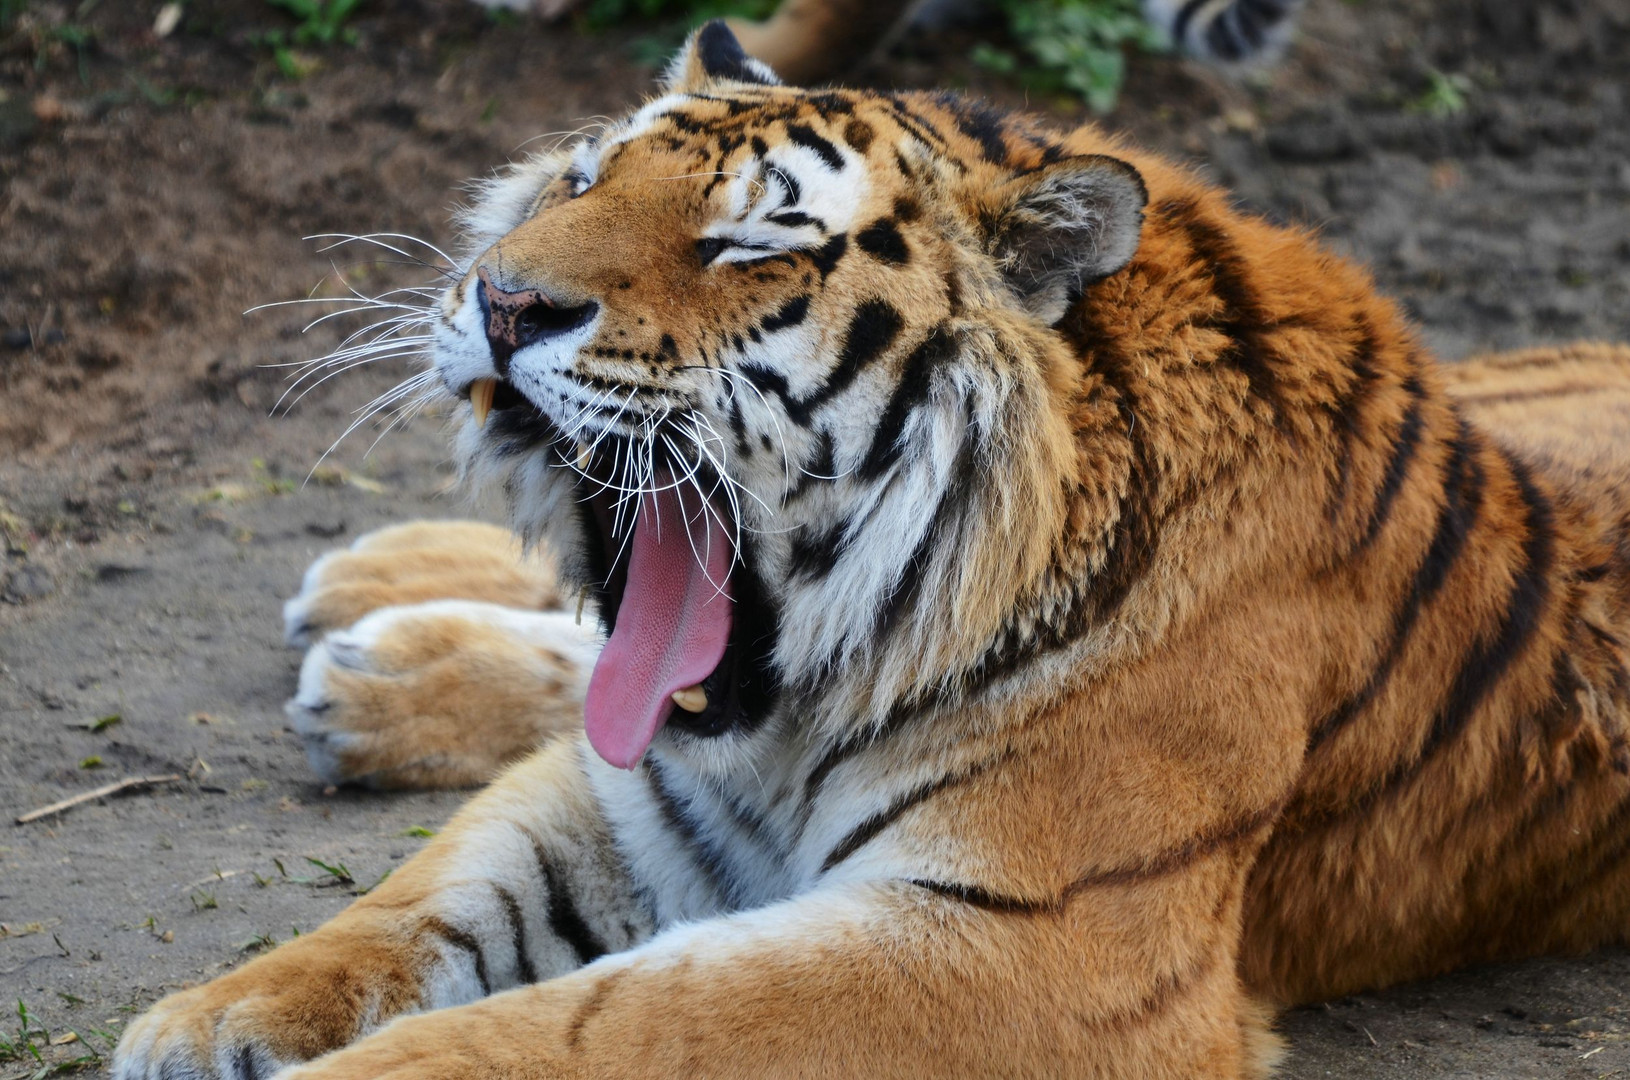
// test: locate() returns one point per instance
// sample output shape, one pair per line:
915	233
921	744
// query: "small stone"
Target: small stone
49	110
28	583
169	17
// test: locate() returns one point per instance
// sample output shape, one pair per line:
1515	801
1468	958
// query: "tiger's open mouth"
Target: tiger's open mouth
685	628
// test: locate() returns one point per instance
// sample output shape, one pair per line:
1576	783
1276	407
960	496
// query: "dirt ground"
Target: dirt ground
154	516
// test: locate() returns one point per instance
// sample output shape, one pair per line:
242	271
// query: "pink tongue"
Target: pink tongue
671	630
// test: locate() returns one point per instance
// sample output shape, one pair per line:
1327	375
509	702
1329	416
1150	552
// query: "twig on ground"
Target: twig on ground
130	783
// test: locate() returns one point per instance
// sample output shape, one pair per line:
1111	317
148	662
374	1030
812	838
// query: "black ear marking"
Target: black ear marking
722	56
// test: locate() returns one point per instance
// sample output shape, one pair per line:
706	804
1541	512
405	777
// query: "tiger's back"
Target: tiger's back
1488	816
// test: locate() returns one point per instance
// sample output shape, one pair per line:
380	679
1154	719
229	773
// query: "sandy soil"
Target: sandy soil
153	515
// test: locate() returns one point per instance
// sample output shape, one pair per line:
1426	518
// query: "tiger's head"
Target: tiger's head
777	374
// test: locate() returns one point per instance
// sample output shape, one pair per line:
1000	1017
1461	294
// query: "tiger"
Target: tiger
815	40
1051	619
812	40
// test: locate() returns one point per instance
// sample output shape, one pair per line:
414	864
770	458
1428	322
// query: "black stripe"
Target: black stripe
872	329
1559	717
828	255
918	126
719	175
981	123
461	939
1137	531
863	833
1173	859
882	240
794	219
517	934
814	553
1242	320
909	587
787	315
789	182
753	824
821	469
1185	15
738	423
690	125
1348	418
910	390
1223	38
1169	986
1489	661
706	858
1198	846
1404	446
981	898
566	921
1525	605
1462	499
1251	22
806	136
850	745
590	1007
948	515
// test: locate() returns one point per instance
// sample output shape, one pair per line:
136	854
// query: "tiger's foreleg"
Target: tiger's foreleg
522	885
872	979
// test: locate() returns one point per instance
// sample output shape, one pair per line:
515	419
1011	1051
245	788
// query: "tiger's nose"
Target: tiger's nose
515	320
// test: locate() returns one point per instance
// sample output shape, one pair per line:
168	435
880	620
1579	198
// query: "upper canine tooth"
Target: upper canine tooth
583	463
692	699
481	392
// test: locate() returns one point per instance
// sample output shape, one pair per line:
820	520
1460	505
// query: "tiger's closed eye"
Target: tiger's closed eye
709	248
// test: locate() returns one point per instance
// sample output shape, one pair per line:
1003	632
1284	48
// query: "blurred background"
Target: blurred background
159	167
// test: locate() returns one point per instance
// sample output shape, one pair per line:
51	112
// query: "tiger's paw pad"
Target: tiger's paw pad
441	694
412	564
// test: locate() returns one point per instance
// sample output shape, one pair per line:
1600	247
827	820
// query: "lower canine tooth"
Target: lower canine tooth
481	392
692	699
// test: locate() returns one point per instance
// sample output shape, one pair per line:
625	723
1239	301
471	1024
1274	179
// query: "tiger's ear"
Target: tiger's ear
1059	229
712	54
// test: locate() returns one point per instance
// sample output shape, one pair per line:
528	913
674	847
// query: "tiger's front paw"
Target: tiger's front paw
189	1035
440	695
414	563
296	1003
